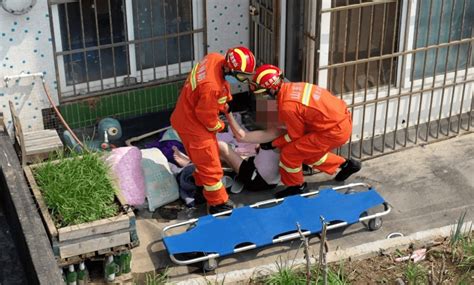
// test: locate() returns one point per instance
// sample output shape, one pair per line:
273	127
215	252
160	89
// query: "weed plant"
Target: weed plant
415	274
76	189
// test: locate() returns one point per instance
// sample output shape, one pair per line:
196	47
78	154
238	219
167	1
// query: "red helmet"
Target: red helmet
240	60
267	77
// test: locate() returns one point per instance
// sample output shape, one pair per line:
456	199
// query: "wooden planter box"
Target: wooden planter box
78	242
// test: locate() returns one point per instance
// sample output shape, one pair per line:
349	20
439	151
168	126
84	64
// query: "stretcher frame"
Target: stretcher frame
284	238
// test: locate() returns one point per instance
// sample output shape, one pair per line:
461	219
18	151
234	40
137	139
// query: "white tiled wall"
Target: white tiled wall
25	47
227	26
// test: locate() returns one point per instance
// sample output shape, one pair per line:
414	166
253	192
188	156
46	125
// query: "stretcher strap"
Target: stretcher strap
260	226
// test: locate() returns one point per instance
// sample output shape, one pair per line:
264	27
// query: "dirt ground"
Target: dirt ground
439	266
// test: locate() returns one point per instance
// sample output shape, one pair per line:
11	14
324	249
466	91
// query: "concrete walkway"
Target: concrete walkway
428	186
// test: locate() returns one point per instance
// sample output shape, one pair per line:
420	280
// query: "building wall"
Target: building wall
25	46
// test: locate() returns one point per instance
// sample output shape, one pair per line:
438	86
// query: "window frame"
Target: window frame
404	63
406	81
163	73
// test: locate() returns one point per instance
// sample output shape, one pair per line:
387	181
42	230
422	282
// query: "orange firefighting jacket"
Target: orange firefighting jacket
306	108
203	96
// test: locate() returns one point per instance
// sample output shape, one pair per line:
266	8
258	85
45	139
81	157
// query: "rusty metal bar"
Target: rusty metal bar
366	79
424	73
456	75
331	46
355	67
398	54
127	45
317	41
166	44
83	45
138	46
98	44
70	48
379	69
179	38
171	79
129	42
445	68
397	96
468	64
434	73
355	6
394	35
112	41
412	73
402	74
344	57
152	24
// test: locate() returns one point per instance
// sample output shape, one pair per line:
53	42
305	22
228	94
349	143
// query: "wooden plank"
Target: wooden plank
97	243
43	142
37	141
52	230
41	150
40	134
93	228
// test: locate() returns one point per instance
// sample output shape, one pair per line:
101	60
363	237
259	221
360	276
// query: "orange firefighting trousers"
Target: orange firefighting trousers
204	153
313	149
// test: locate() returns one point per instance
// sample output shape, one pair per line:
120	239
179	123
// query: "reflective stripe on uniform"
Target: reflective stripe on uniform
306	94
218	126
242	59
214	187
289	169
320	161
193	77
222	100
287	138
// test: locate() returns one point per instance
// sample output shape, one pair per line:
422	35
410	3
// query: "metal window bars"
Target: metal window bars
404	68
115	45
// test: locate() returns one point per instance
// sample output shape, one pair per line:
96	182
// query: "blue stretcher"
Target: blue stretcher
265	224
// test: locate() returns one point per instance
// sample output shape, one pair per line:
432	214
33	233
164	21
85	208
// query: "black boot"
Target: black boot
229	205
291	190
348	168
307	170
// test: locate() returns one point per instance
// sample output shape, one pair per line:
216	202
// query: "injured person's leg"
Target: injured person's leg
180	157
229	156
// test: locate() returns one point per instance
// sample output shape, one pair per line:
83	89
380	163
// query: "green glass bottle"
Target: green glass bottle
82	274
110	268
71	276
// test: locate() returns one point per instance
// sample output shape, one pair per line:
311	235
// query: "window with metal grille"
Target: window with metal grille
360	33
107	45
441	22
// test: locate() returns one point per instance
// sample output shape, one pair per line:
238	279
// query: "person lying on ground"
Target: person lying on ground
259	172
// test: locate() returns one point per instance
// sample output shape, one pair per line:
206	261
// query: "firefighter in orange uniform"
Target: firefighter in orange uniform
196	117
316	123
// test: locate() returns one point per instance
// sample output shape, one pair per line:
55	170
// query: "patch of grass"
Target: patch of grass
457	232
415	274
336	277
467	254
285	275
77	189
288	275
154	278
